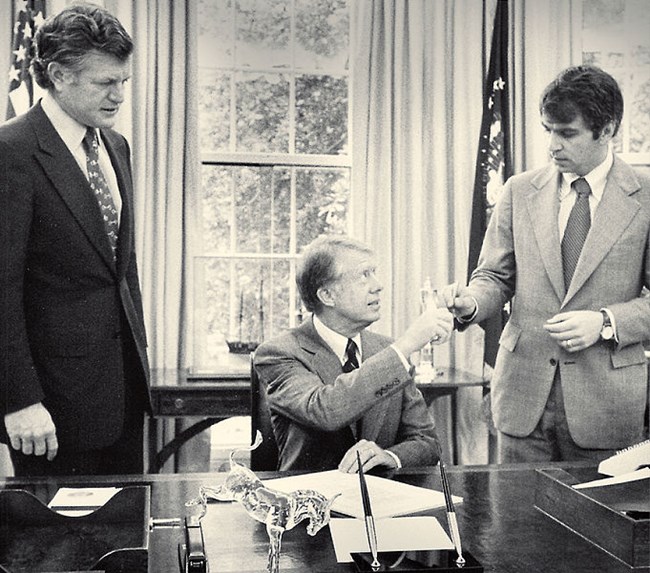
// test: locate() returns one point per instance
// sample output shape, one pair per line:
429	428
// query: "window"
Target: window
273	116
615	37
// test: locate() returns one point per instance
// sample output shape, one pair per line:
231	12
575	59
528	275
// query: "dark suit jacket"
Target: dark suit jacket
605	386
314	405
71	321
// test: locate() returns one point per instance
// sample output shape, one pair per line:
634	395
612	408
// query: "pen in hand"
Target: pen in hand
451	513
371	532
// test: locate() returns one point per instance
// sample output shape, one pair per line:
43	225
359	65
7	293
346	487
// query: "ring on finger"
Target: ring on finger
568	344
435	338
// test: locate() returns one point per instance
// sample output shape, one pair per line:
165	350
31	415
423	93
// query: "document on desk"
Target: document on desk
625	492
80	501
389	498
395	534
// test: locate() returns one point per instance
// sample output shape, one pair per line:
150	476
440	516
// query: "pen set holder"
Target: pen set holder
439	560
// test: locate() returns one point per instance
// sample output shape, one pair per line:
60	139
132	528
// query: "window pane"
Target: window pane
215	18
639	111
321	114
216	208
262	113
321	203
263	33
322	34
240	300
214	110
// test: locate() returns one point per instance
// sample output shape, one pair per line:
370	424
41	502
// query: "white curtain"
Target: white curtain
161	124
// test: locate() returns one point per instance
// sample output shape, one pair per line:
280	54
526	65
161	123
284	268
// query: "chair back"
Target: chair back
265	456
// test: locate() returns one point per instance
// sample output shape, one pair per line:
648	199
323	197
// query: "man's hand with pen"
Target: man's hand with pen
457	299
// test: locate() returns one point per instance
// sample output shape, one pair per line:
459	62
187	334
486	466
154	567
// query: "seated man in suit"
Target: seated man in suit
335	388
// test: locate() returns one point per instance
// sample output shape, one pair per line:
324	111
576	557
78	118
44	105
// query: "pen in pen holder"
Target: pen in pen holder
371	532
451	512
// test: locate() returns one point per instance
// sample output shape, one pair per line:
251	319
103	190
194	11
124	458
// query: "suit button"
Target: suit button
553	361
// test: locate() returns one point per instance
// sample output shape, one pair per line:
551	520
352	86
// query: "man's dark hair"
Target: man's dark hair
587	91
319	266
70	35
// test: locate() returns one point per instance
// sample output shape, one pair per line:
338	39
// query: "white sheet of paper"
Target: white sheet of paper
389	498
393	534
80	501
643	473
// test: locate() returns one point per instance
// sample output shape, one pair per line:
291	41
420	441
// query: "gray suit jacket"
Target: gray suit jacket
605	386
314	405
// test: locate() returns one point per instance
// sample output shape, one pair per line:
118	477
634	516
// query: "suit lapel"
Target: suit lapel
613	215
70	183
545	200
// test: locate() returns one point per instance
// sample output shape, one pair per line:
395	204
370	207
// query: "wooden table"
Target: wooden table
498	522
225	393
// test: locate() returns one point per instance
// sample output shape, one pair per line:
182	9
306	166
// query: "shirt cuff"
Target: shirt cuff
467	319
403	359
394	456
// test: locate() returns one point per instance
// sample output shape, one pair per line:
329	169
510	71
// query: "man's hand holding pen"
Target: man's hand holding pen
457	300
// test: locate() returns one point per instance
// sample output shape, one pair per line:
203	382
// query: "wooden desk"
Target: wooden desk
498	523
226	393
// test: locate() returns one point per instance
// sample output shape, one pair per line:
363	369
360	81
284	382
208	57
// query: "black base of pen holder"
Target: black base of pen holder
438	560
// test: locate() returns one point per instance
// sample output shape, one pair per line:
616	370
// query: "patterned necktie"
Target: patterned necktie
351	352
100	188
576	231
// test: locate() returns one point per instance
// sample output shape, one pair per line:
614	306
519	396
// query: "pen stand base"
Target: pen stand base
438	560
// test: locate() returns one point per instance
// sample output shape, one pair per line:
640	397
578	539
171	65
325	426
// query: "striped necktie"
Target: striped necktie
100	188
576	231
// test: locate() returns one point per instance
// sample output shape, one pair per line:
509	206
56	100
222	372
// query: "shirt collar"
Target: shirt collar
69	129
596	178
336	341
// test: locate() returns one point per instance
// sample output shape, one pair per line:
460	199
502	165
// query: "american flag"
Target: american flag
493	163
22	89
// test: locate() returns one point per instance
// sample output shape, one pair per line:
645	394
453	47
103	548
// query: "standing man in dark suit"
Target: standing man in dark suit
73	364
569	244
334	387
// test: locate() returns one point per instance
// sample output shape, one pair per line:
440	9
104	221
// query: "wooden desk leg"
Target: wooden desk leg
152	442
454	429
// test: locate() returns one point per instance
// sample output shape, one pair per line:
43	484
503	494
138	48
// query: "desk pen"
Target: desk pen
451	513
371	532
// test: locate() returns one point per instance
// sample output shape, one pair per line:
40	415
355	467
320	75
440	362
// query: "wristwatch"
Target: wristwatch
607	331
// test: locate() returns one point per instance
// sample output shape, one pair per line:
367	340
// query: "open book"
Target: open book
389	498
626	460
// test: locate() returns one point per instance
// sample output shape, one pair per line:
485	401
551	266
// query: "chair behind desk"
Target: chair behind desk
265	456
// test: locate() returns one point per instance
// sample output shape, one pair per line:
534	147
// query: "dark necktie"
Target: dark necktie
576	231
100	188
351	362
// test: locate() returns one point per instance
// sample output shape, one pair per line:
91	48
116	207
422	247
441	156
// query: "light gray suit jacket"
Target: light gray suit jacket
605	386
314	405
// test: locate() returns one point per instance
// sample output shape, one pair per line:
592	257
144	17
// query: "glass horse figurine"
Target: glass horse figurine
279	511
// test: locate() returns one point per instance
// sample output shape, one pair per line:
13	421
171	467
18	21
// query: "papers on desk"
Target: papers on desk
627	492
80	501
389	498
398	534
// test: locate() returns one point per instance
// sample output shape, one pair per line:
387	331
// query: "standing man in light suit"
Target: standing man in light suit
73	363
335	388
568	244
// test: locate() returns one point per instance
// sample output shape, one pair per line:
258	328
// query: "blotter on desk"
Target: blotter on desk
114	539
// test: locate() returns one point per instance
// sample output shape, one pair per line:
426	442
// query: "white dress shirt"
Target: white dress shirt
72	133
